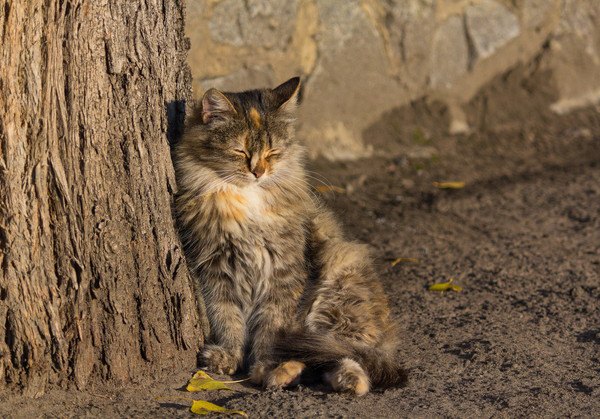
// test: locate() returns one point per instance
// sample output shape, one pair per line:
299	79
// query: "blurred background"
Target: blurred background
420	63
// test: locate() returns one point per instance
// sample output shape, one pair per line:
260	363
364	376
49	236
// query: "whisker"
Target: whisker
320	177
304	185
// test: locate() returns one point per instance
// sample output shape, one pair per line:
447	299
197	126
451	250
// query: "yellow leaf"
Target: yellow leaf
449	185
329	188
401	260
445	286
202	407
201	381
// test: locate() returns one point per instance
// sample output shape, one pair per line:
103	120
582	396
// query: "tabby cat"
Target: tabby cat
285	291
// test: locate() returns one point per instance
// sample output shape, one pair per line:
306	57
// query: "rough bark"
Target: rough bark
93	282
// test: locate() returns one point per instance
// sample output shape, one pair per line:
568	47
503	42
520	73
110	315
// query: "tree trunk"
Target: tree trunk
93	281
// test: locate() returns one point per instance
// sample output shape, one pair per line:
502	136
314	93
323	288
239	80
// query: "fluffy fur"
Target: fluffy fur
285	291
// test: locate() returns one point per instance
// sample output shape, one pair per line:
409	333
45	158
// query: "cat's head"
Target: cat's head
246	138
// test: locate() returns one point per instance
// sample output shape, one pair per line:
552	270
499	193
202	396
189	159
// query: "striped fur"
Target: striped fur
284	290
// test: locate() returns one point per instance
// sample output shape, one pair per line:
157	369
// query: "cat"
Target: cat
284	290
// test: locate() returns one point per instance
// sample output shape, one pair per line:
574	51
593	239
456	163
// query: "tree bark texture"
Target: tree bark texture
93	281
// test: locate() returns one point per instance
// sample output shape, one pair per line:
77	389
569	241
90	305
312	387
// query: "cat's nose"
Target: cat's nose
258	171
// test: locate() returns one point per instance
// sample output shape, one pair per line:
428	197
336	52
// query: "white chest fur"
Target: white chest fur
238	208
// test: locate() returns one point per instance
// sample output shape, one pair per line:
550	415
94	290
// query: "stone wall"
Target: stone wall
361	58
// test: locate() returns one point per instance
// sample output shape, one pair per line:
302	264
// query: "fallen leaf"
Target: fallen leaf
445	286
329	188
202	407
201	381
402	260
449	185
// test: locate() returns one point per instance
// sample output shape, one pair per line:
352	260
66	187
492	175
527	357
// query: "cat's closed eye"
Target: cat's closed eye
241	152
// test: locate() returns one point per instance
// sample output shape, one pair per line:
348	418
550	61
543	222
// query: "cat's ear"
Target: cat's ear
287	96
216	107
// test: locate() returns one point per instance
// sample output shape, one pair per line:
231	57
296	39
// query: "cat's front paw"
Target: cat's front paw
221	360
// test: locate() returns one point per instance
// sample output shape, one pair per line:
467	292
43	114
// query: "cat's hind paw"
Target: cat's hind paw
348	377
287	374
258	372
221	360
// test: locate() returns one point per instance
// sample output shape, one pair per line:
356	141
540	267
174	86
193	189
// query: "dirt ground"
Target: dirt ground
522	238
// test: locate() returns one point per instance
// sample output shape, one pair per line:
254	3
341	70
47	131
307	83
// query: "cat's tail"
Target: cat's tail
323	352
